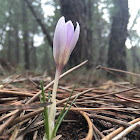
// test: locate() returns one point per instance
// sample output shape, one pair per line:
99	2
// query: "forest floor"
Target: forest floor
100	112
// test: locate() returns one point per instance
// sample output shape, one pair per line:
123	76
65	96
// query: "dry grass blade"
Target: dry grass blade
27	116
4	137
101	134
94	109
97	131
12	80
128	99
107	94
35	135
90	131
7	115
14	134
110	120
30	106
14	93
21	135
117	70
72	97
57	137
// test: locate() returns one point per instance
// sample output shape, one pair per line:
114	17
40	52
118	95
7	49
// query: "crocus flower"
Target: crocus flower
65	39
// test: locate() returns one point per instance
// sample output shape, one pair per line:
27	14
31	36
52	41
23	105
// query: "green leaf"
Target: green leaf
59	120
45	113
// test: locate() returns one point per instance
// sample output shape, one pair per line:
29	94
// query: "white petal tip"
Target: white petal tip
78	26
62	18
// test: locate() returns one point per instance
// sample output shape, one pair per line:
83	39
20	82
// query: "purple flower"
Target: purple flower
65	39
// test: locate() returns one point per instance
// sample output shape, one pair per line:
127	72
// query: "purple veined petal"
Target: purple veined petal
60	38
75	37
70	32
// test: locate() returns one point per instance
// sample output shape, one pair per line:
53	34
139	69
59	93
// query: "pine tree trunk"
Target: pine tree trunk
9	46
117	49
17	46
34	56
25	36
79	11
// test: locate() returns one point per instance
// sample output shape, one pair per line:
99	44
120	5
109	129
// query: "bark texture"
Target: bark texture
25	36
17	55
34	55
117	49
80	11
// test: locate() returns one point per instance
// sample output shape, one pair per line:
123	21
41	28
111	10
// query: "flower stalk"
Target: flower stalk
52	109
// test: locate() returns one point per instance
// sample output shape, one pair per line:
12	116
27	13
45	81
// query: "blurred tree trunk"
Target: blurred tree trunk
80	11
16	33
17	45
40	22
34	55
25	36
117	50
89	24
9	46
102	42
9	50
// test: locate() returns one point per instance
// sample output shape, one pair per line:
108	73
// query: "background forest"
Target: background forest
27	27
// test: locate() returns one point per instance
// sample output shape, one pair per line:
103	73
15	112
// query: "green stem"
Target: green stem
52	109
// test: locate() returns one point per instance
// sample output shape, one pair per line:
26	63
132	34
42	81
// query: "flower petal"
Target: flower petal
75	37
70	32
60	38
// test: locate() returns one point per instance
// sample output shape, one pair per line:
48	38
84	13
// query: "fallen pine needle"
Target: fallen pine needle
90	109
90	130
117	131
126	131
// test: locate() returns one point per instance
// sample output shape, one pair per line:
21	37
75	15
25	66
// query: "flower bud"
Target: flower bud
65	39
